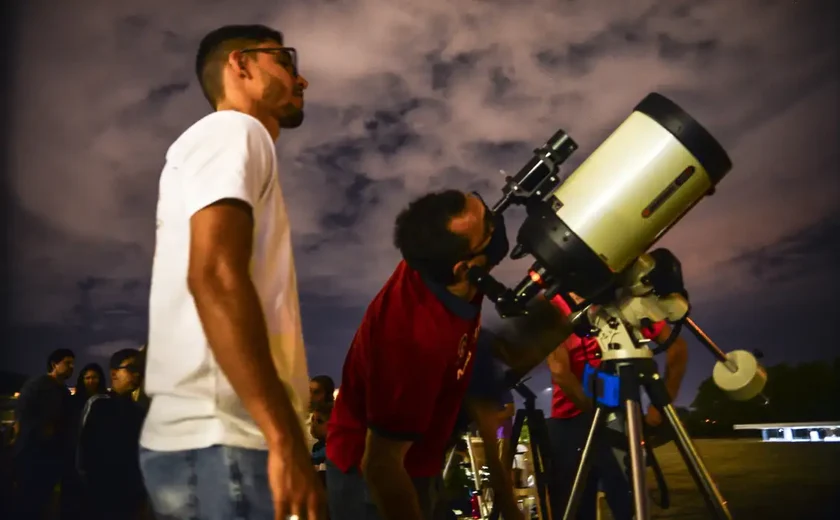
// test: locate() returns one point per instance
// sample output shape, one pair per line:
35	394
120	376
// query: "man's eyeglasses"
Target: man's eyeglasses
286	57
130	367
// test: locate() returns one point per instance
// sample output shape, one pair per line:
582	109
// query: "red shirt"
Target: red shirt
581	352
406	373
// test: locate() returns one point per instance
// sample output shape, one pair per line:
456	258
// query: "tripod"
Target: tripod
540	450
617	385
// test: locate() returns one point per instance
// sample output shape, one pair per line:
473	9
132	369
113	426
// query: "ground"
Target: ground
760	480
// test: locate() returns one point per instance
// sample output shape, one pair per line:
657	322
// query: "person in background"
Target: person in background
91	381
108	443
571	418
321	390
41	445
318	430
139	395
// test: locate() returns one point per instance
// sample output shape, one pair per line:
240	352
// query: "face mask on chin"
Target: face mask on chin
498	247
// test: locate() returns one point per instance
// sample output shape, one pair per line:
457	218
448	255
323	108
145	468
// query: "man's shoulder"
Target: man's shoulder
97	404
226	128
33	382
397	297
227	122
42	382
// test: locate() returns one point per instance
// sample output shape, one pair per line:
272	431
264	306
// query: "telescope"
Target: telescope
591	236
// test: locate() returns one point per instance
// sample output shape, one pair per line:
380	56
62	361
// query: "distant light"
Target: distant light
335	394
548	390
17	394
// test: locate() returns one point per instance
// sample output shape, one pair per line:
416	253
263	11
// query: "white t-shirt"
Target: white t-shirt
226	154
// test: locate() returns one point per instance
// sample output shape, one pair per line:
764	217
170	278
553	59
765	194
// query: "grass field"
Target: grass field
760	480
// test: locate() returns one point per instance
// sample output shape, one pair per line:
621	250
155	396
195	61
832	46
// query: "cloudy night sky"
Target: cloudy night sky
407	97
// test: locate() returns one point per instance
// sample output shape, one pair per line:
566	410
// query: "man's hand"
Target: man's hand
295	487
653	417
676	359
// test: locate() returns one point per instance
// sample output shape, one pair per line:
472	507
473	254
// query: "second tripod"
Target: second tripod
539	448
617	385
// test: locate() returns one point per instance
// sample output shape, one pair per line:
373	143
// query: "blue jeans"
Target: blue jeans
349	498
215	483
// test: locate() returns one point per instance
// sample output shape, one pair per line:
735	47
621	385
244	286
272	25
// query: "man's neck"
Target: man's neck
462	290
123	395
252	109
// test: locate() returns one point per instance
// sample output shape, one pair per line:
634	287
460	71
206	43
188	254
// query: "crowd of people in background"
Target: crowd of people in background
83	443
74	448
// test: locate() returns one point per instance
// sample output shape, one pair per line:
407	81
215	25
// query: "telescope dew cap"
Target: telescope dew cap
689	132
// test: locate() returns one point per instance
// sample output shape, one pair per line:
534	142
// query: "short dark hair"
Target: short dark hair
422	234
118	357
327	383
215	47
57	356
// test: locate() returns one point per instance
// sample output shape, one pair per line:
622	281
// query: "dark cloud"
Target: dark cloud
162	93
811	252
445	72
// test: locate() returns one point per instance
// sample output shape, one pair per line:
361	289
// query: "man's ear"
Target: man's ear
236	60
460	270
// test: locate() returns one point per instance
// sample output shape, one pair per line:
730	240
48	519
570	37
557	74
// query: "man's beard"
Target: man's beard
292	117
289	116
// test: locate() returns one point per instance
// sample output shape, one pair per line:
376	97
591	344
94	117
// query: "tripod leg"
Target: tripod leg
637	461
539	474
711	494
450	459
541	448
583	466
513	444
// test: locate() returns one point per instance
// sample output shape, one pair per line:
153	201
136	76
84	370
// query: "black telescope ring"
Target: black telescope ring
689	132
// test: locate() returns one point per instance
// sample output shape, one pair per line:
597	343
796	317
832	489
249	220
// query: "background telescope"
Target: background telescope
591	235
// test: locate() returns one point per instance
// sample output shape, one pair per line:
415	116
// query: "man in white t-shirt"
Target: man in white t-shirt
226	366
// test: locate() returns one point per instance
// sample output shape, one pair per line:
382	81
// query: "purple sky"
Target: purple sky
406	97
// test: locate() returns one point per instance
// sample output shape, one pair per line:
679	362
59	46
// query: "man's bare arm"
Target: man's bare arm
676	359
561	373
230	312
383	468
485	417
523	342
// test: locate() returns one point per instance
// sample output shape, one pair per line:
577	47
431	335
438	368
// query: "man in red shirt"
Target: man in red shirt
572	413
410	362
